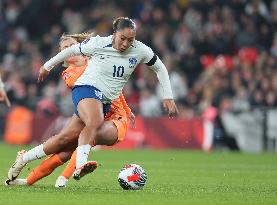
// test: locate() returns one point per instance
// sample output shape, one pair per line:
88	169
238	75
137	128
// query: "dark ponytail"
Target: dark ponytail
123	22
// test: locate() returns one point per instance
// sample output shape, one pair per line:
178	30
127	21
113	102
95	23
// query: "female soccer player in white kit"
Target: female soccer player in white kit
113	59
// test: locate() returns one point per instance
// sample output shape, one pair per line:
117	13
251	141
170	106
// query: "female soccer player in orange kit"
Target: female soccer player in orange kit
113	130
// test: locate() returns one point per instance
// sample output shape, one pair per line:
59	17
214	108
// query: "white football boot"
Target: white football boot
85	169
17	166
61	182
17	182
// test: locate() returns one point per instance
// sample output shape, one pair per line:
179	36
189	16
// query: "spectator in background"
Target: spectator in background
257	99
270	99
150	105
222	139
240	101
16	89
178	83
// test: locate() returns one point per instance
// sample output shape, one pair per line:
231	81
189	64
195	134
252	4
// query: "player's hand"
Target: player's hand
43	73
170	107
132	119
4	97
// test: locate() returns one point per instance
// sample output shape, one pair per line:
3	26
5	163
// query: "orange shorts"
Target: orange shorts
122	127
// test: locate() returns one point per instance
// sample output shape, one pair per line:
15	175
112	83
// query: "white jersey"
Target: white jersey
108	70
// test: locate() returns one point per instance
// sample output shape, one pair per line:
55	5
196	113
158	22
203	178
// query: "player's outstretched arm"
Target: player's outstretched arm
73	50
157	65
4	97
60	57
3	94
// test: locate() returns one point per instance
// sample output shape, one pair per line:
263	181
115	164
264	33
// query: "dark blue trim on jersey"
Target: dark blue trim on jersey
108	46
152	61
81	50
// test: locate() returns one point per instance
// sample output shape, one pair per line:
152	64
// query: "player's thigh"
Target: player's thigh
106	134
68	135
91	112
72	130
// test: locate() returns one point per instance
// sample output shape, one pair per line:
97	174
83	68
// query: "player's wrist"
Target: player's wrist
48	67
2	86
168	99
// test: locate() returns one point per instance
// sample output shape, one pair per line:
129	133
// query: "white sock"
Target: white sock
82	155
20	182
35	153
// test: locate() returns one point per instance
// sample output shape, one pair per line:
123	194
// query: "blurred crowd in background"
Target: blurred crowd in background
220	55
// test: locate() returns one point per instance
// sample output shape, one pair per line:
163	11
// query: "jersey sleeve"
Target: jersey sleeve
146	52
1	84
124	103
61	56
87	46
154	63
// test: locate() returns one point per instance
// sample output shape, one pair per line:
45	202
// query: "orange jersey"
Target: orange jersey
119	109
118	115
71	74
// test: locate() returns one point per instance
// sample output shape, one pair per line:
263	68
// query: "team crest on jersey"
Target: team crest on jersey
98	94
132	62
66	75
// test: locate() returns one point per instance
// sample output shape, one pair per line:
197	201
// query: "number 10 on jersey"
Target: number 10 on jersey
118	71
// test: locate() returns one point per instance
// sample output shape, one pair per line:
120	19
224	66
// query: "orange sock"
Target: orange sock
44	169
69	169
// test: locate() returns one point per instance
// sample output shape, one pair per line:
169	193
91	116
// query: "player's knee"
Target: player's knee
111	142
94	123
99	133
106	140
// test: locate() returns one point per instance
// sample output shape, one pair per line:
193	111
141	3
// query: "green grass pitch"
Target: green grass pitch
174	177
